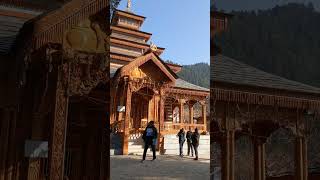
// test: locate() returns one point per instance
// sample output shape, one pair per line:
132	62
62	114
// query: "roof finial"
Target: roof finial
129	6
153	47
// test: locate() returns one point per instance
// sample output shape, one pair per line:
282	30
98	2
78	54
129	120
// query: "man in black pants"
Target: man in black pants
150	138
195	142
182	139
189	141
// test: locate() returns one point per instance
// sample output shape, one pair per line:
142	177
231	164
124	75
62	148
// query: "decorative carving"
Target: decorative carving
87	36
137	73
59	124
87	70
145	82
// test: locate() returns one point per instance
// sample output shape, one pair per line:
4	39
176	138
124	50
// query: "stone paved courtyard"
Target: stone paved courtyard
165	167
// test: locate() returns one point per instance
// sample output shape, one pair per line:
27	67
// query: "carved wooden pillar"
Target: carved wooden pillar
121	100
161	113
301	159
191	113
113	103
259	159
127	121
227	155
204	114
59	125
181	110
227	146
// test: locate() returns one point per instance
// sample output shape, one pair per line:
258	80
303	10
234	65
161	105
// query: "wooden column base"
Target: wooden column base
301	159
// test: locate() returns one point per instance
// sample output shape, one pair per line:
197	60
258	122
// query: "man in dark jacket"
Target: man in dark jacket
195	142
150	138
182	139
189	141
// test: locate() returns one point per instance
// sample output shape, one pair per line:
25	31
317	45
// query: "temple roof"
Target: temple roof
228	70
180	83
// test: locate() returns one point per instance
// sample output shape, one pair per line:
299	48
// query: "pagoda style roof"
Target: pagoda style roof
227	70
131	15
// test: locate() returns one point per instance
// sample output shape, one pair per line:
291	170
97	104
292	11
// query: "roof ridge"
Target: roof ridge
259	70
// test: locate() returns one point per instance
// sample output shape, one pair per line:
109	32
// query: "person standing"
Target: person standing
150	137
195	142
189	142
182	139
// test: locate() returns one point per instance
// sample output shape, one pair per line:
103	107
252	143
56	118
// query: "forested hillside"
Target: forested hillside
198	74
284	40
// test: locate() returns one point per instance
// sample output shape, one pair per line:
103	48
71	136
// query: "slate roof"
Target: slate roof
225	69
180	83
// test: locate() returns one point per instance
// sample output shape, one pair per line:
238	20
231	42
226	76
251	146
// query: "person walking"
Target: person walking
195	142
189	142
150	138
182	139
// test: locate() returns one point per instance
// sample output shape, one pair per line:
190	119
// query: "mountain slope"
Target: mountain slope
198	74
284	40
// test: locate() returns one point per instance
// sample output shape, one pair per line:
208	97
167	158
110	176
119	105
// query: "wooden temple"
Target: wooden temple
60	86
246	101
55	96
148	88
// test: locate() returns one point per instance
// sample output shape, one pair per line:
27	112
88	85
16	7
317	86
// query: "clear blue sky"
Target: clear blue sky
180	26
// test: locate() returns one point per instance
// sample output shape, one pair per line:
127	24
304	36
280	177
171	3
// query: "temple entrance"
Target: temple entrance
140	115
87	117
142	111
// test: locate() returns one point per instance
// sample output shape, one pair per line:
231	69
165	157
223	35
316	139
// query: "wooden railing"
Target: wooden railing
169	126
